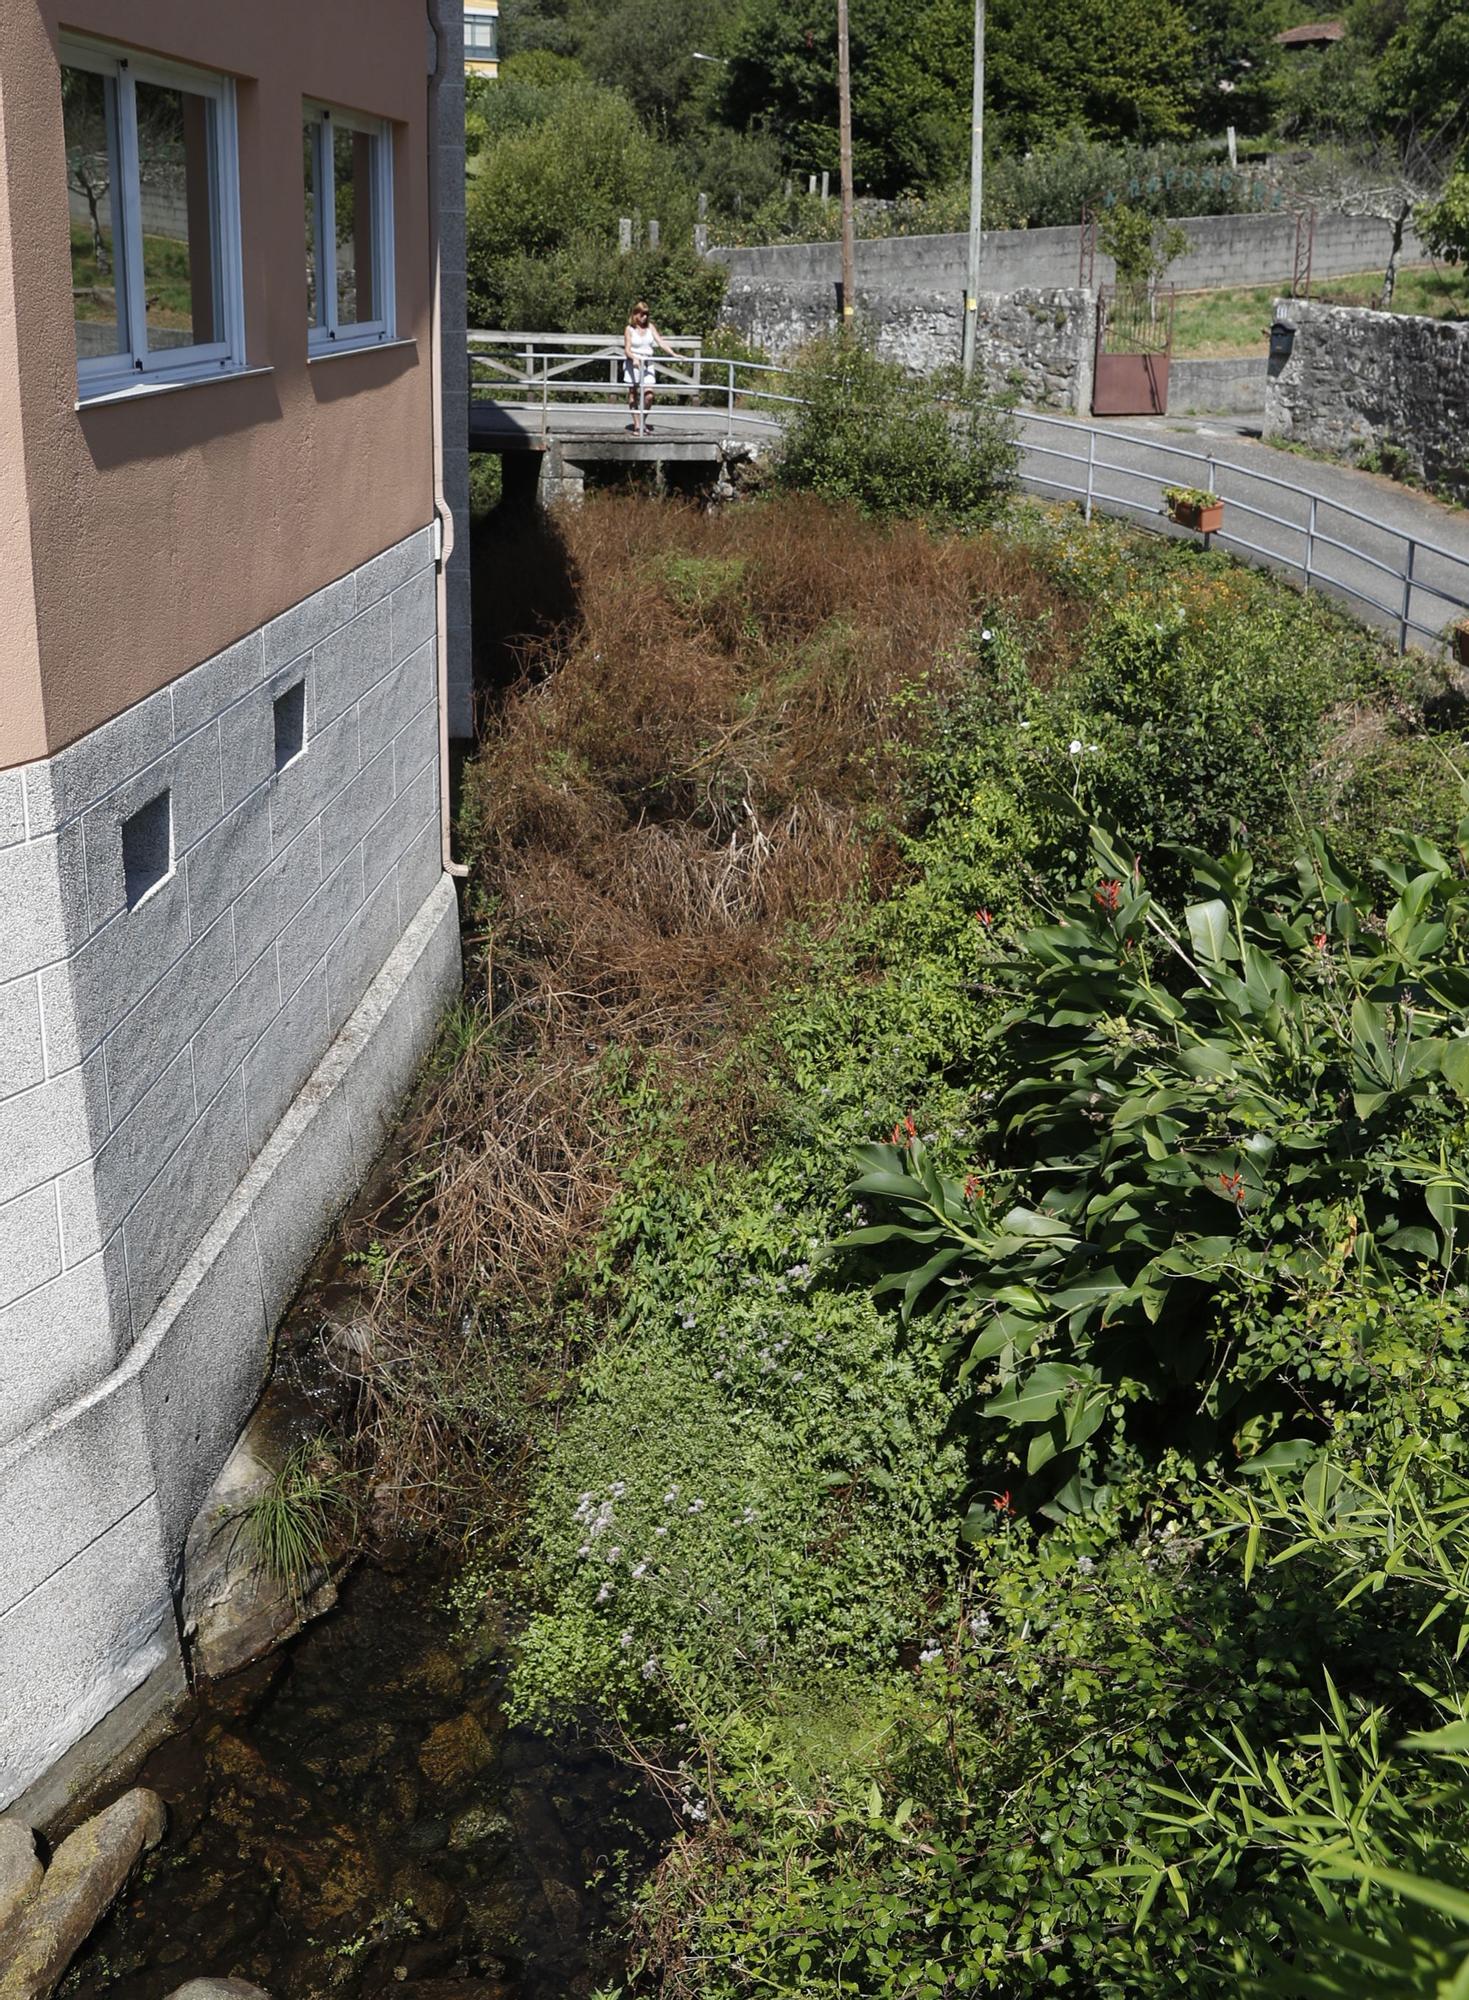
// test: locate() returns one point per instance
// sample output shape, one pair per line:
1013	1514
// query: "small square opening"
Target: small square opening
147	848
290	724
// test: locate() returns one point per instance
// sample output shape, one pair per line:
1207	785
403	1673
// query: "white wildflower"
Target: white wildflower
650	1670
625	1641
1085	1565
1076	746
929	1654
604	1593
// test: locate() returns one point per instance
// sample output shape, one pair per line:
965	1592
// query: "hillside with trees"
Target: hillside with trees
631	108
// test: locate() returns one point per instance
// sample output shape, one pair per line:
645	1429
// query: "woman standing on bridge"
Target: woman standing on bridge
639	337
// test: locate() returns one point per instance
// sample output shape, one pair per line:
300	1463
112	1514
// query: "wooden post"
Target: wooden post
825	186
652	232
844	113
624	232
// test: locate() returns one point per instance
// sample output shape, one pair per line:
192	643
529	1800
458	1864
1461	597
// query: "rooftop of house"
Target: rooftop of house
1311	34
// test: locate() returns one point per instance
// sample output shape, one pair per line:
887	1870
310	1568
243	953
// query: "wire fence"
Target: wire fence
1392	576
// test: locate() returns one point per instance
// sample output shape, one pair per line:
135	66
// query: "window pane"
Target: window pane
89	113
311	167
481	35
179	208
356	223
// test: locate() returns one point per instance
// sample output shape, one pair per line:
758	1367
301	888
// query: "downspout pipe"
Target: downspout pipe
443	514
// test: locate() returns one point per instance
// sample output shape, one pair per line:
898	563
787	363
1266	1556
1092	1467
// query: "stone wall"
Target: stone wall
227	937
1224	250
1355	378
1037	343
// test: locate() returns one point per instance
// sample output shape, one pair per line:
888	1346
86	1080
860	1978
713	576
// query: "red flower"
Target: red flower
973	1188
1002	1505
1108	895
983	917
1318	943
905	1131
1234	1186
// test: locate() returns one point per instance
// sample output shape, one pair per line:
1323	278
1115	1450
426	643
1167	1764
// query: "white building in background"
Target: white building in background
482	37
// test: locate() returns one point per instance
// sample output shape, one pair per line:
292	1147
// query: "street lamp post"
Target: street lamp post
844	113
976	200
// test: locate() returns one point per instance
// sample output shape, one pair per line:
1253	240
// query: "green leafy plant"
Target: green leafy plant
1370	1822
1227	1110
295	1520
867	432
1141	246
1190	496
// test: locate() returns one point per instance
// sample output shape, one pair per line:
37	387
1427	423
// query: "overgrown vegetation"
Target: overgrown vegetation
853	894
868	432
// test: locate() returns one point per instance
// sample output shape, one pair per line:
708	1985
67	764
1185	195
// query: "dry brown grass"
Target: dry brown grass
701	757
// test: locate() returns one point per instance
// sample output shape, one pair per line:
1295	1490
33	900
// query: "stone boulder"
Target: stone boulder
233	1612
86	1874
455	1752
218	1989
20	1868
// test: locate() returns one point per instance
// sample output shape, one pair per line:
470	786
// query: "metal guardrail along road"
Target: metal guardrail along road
1395	578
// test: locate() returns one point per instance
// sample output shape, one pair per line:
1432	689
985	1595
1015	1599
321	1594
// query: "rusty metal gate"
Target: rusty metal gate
1134	346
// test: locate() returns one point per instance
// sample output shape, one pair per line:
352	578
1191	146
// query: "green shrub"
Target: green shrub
1197	1127
869	433
770	1499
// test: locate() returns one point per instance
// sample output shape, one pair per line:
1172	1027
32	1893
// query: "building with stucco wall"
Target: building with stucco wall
231	335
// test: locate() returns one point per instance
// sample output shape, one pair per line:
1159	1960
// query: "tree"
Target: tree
1444	224
646	49
1125	71
1425	68
526	25
1142	246
910	86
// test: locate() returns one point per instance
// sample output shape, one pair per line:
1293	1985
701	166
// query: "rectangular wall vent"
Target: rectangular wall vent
147	848
290	724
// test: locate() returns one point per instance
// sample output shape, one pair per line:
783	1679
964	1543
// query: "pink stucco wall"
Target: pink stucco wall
137	539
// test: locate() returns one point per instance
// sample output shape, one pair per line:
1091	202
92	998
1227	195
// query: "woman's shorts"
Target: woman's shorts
640	374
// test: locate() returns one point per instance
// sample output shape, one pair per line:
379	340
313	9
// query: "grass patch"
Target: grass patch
1235	319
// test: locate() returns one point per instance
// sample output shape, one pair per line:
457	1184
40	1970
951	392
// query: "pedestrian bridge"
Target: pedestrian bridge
564	394
1399	561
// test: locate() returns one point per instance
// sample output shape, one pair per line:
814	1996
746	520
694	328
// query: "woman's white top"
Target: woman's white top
641	340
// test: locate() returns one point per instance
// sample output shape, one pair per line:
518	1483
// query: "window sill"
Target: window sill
135	392
339	350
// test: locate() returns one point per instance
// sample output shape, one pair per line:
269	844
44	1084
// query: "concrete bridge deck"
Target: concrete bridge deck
592	431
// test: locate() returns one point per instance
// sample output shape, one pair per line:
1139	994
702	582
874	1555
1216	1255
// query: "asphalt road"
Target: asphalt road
1364	526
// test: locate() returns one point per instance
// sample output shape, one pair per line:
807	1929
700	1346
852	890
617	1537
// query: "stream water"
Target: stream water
352	1817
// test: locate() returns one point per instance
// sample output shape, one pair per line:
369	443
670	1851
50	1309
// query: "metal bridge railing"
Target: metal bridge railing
1399	579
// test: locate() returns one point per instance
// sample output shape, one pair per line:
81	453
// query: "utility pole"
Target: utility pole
976	199
844	102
